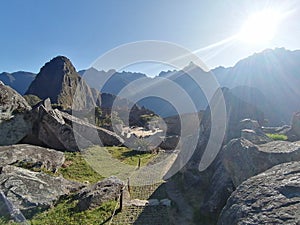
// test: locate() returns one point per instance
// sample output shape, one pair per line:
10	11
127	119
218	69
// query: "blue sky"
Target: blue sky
33	31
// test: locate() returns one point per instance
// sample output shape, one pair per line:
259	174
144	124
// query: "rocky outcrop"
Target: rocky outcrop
208	191
13	116
294	133
216	194
255	137
93	134
62	131
94	195
251	131
170	142
32	192
11	102
271	197
237	111
59	81
30	156
242	159
276	130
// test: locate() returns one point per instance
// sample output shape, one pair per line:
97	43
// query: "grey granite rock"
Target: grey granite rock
96	194
32	192
31	156
242	159
272	197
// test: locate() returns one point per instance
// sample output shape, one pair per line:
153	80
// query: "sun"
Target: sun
260	27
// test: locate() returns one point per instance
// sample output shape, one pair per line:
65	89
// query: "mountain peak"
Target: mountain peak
58	66
58	80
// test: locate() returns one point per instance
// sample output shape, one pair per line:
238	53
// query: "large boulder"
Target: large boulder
14	124
62	131
242	159
251	131
95	195
30	156
32	192
94	134
256	137
272	197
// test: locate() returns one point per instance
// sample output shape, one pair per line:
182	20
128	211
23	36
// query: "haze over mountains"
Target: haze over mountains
19	81
269	80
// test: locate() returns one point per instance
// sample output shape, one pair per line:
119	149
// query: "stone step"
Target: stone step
144	215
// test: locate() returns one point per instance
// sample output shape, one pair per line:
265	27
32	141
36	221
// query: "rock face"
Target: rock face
31	156
237	110
272	197
9	211
251	131
59	81
208	191
276	130
93	196
294	133
62	131
242	159
13	116
30	191
93	134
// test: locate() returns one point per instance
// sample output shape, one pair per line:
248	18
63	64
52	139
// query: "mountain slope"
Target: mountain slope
59	81
276	74
19	81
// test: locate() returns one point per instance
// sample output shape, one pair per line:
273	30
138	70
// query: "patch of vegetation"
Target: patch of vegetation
32	99
76	168
278	137
123	154
58	106
130	156
64	213
4	221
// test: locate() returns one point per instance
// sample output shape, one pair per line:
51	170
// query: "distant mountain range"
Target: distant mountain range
19	81
269	80
274	79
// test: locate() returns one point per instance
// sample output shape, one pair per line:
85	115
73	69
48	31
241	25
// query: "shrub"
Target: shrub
278	137
32	99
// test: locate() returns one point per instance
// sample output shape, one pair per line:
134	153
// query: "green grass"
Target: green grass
128	156
76	168
278	137
65	214
4	221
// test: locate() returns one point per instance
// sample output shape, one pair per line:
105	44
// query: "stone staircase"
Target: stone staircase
145	199
147	205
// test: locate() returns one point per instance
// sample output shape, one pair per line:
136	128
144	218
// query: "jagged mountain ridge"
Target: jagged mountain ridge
275	73
271	76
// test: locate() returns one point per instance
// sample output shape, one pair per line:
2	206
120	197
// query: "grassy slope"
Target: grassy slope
77	168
